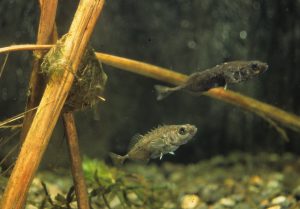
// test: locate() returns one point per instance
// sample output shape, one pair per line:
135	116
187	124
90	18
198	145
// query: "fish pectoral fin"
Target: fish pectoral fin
161	155
225	87
171	153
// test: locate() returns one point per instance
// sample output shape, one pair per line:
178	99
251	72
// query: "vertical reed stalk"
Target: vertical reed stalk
77	172
51	104
37	84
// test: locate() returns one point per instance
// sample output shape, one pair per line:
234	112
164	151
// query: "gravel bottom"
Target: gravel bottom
239	181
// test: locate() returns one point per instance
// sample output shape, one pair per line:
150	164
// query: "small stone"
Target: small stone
229	182
273	184
169	204
190	201
274	207
296	193
264	203
228	202
256	180
29	206
278	200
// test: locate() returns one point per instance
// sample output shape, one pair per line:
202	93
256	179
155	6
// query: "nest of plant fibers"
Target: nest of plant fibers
89	82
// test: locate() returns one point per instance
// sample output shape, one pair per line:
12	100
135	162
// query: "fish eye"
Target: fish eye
254	66
182	131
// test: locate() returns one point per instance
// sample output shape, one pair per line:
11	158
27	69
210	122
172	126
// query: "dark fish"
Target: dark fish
218	76
162	140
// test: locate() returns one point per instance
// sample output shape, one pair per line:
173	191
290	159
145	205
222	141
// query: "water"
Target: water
184	36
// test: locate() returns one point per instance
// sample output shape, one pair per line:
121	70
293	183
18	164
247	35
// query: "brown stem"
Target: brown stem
25	47
51	104
37	83
286	119
77	172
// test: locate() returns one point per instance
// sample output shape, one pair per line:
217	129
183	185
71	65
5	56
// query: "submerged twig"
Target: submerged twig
12	127
15	118
105	201
8	169
277	115
9	154
3	65
77	172
3	141
48	197
11	151
25	47
56	92
37	83
288	120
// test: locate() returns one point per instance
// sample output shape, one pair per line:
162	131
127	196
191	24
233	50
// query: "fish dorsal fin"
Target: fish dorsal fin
134	140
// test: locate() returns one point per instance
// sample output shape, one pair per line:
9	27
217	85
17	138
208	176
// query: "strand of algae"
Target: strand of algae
46	117
262	109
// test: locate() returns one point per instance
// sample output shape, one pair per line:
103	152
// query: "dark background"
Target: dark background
182	35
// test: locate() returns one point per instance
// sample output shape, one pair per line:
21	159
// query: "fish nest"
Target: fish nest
89	82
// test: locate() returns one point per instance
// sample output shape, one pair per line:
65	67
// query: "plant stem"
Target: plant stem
37	83
286	119
77	172
51	104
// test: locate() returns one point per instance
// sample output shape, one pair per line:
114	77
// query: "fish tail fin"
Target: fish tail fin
117	159
162	91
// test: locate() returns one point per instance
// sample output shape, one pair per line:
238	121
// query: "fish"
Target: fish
218	76
157	142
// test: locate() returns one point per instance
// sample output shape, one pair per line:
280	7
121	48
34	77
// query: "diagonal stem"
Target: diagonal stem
276	114
53	99
77	172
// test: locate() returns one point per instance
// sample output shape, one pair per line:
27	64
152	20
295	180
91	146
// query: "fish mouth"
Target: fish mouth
265	67
193	131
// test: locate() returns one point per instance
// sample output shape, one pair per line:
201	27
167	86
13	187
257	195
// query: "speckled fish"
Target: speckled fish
218	76
162	140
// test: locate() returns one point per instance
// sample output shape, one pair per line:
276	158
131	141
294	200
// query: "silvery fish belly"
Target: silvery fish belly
156	143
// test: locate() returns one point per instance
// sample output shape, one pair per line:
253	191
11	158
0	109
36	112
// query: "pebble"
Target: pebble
256	180
274	207
228	202
190	201
278	200
296	193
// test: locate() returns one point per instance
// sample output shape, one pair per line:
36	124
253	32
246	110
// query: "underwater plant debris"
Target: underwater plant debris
89	82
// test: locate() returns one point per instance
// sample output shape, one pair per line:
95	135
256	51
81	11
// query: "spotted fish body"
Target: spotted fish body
162	140
218	76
